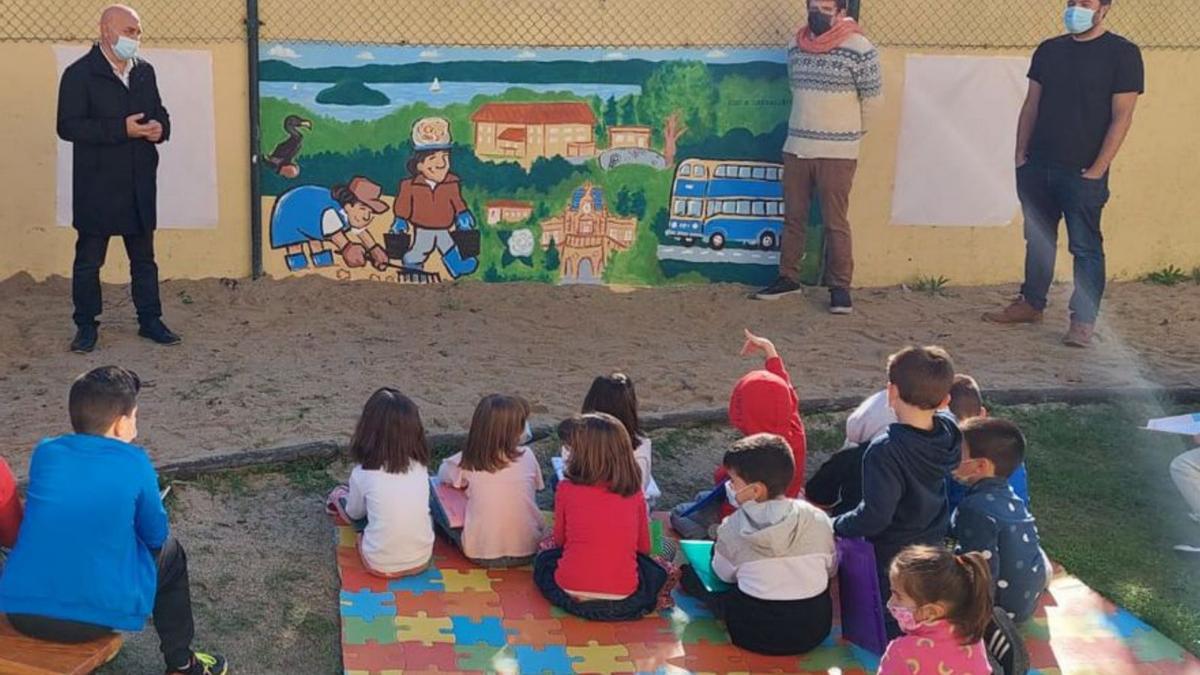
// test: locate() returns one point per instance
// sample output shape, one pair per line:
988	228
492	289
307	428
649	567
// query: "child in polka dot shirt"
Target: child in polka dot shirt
994	521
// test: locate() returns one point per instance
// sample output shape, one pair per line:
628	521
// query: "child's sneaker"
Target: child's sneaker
1004	644
204	664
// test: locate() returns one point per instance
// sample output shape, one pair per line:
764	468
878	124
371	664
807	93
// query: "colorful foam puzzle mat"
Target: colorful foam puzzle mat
459	618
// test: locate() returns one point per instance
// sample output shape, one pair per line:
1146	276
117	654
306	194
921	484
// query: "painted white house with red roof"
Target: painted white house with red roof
526	131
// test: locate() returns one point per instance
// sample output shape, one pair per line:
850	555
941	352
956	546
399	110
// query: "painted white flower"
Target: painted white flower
520	244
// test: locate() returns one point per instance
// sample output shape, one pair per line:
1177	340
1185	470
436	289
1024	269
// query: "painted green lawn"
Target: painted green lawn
1108	511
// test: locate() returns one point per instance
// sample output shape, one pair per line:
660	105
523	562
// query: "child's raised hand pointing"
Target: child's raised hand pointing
755	343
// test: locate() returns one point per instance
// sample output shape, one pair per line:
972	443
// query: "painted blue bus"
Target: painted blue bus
717	202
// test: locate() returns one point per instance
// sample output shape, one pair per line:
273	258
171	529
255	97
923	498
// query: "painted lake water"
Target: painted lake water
405	93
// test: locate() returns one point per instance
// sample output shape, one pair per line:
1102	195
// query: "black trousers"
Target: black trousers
772	627
651	577
172	614
90	252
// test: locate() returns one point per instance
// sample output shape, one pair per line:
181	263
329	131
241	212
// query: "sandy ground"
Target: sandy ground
261	552
281	361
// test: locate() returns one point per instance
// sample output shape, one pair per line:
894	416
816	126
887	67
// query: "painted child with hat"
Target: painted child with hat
313	215
429	205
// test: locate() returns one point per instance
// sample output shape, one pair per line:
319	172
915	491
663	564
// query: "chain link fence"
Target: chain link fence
164	21
954	24
681	23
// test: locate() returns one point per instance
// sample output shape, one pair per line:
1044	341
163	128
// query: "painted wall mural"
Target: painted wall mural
429	164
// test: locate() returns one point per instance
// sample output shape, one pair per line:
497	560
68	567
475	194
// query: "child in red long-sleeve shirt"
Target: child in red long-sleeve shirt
601	568
763	401
10	507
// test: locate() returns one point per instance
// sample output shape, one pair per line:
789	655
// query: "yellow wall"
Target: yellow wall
33	243
1152	220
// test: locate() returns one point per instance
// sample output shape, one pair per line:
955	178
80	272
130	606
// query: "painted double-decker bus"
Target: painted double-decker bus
717	202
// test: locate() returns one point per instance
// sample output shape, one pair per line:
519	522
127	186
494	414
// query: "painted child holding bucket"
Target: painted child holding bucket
430	211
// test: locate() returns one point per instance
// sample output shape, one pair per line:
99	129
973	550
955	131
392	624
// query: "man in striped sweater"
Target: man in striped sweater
836	82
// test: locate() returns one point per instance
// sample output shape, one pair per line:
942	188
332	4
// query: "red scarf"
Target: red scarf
829	40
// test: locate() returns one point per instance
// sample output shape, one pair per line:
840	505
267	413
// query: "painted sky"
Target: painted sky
316	55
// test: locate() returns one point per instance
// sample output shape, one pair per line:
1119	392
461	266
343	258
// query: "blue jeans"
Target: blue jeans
1049	194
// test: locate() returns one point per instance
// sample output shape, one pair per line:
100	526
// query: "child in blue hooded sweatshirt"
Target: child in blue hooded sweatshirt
94	553
904	469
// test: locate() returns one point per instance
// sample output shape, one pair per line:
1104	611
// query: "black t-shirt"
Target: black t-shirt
1078	82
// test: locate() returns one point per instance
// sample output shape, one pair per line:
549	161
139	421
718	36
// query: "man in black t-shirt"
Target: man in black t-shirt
1083	87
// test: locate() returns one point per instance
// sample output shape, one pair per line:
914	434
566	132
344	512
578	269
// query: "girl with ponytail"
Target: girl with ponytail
943	603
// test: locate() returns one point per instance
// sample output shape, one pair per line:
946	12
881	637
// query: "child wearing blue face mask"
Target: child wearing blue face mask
501	476
777	551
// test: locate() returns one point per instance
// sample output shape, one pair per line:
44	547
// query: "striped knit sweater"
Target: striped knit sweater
832	98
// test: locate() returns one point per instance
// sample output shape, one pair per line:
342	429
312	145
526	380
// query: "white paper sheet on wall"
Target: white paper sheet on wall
954	162
187	169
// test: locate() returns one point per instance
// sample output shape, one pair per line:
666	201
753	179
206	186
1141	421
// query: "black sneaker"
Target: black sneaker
203	664
158	332
85	339
779	288
1004	644
839	301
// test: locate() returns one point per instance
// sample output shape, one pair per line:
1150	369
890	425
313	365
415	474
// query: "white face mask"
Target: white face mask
731	494
125	48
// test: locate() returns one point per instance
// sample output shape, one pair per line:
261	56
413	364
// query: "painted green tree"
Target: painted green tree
680	97
629	110
552	257
637	204
610	116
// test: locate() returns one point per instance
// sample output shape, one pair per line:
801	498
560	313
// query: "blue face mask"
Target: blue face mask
125	48
1079	19
526	435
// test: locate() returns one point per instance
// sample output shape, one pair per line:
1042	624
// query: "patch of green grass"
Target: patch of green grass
311	475
225	482
931	284
284	578
1170	276
672	443
1107	510
824	431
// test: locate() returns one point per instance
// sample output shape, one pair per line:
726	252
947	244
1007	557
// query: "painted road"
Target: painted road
703	254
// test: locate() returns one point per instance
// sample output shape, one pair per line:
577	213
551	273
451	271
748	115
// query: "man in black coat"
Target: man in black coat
110	110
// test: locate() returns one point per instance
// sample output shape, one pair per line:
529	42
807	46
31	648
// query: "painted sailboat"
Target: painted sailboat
436	86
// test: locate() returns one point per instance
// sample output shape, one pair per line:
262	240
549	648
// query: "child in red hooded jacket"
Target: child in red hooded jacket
763	401
10	507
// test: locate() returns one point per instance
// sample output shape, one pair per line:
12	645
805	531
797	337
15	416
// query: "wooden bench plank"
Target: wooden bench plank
20	655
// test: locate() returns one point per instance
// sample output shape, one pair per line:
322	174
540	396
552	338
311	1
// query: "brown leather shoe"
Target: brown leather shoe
1018	312
1079	335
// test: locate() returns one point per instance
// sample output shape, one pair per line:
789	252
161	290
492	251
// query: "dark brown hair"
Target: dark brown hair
966	401
763	458
614	394
997	440
923	375
495	429
100	397
389	434
343	196
602	454
961	583
417	157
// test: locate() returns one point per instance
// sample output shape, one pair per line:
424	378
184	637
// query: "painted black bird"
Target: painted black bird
283	157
